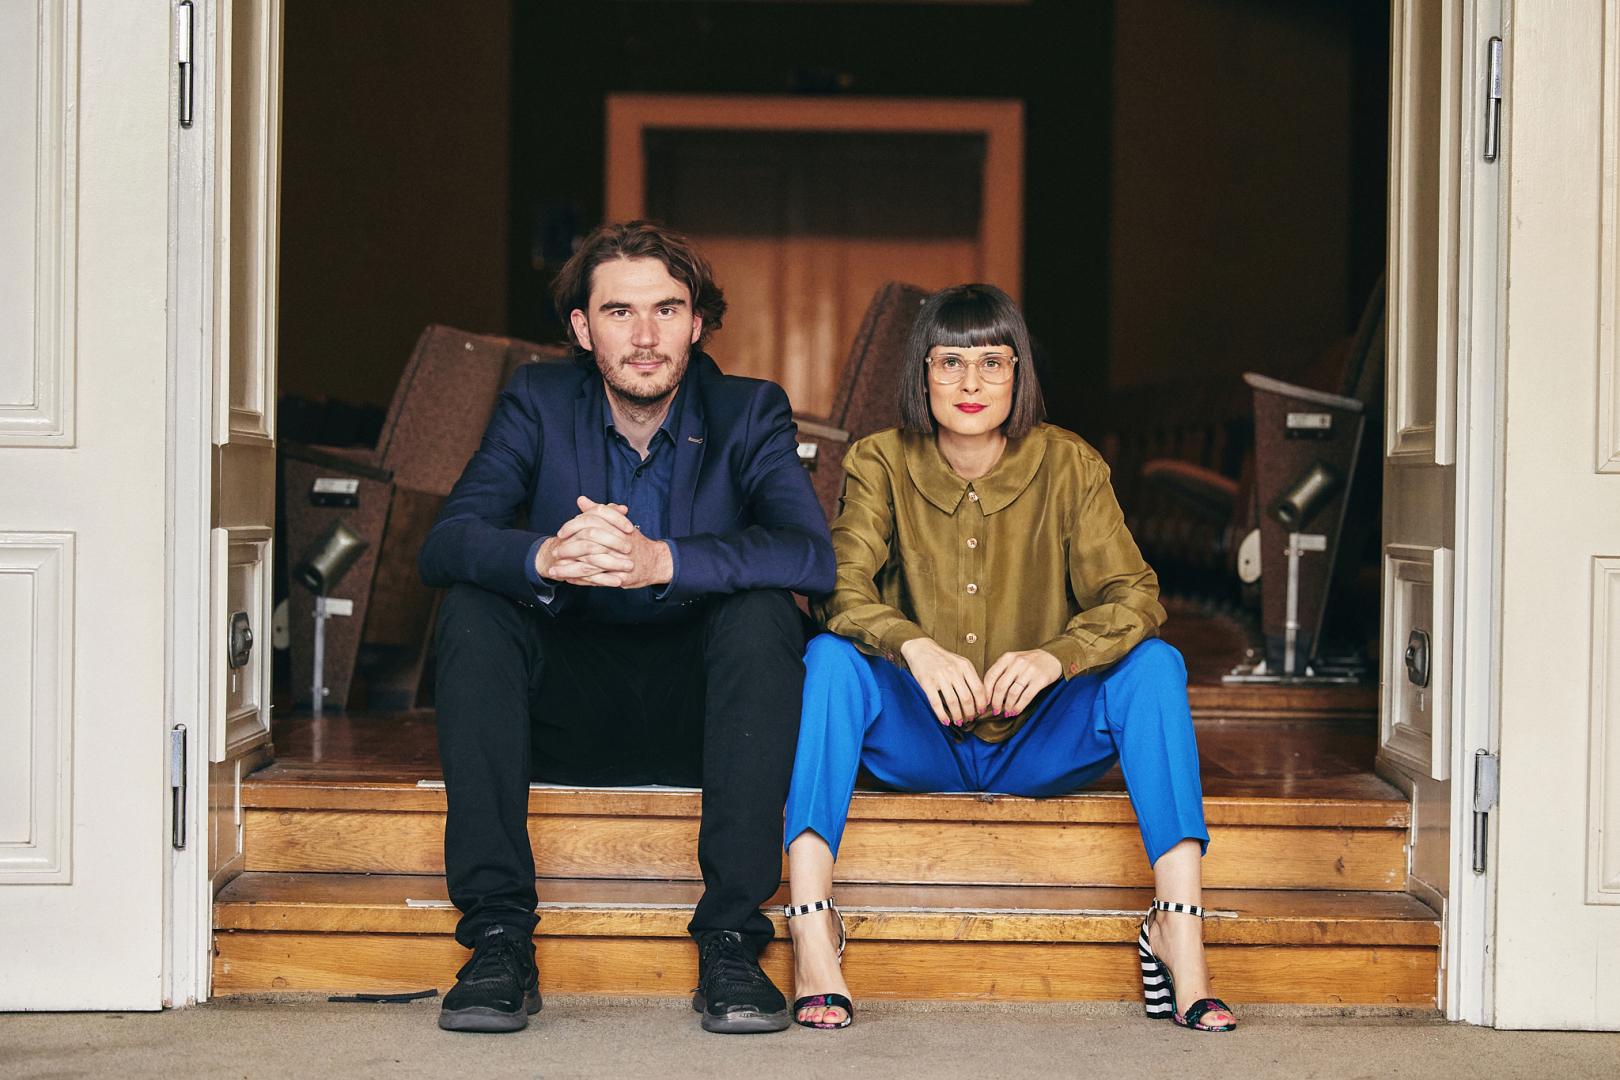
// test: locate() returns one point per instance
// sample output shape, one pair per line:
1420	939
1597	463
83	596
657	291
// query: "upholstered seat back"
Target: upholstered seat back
443	401
868	397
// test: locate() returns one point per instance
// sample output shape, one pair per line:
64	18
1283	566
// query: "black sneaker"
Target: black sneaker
498	989
733	994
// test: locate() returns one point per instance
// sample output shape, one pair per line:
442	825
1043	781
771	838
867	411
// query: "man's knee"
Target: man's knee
469	611
756	616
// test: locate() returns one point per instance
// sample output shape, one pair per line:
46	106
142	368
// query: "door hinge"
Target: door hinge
1493	98
185	43
177	786
1487	785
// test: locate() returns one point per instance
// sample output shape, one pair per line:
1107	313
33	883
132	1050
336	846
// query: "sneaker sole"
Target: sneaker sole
483	1019
754	1023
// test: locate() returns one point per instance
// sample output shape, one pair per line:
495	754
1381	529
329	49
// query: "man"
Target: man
619	553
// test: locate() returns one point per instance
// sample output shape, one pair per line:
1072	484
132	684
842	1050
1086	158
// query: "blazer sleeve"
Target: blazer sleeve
474	539
786	545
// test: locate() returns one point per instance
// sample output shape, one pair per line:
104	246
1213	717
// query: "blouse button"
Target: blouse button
974	495
972	588
971	638
973	541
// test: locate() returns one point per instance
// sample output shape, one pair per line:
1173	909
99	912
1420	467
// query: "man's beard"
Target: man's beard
633	390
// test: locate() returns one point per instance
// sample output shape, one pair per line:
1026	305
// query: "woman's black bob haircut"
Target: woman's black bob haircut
967	316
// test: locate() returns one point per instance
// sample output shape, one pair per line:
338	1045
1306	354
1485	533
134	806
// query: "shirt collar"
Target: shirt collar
933	476
666	429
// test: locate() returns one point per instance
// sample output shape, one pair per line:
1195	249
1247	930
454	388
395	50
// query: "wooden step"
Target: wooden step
1289	804
1088	839
328	932
1213	702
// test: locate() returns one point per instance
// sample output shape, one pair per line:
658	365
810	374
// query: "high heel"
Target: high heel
823	1001
1159	987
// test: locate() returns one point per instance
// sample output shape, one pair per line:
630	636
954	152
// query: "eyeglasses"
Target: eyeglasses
953	369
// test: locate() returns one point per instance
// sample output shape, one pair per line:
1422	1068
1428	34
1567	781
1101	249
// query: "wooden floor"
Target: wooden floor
1287	758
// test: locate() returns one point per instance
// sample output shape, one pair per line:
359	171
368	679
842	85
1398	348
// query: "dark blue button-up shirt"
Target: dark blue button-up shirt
642	485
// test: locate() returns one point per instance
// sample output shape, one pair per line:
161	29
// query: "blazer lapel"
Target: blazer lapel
691	437
590	448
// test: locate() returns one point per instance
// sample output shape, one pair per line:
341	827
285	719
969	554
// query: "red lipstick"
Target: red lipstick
970	406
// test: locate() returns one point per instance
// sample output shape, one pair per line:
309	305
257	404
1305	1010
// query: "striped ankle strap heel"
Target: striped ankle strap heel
1158	985
792	912
823	1001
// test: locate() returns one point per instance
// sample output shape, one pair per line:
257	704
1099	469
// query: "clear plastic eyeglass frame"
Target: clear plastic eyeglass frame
1003	373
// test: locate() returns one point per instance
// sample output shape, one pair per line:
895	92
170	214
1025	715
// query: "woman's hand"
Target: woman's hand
950	681
1015	678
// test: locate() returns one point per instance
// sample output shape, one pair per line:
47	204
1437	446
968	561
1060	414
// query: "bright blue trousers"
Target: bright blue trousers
861	710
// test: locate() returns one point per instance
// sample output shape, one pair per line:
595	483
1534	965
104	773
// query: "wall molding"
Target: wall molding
1603	790
45	635
1608	397
48	419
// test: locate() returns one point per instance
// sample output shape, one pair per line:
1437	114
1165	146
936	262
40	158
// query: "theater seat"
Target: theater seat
868	391
390	495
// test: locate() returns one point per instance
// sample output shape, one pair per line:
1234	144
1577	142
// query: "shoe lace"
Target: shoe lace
495	959
726	962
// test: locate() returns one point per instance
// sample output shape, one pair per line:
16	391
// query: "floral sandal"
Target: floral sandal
1159	989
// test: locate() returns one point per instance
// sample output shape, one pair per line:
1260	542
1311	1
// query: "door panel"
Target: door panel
1425	49
1417	711
84	131
246	178
1558	868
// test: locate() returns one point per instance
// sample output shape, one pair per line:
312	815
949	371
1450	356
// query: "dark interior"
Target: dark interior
1204	196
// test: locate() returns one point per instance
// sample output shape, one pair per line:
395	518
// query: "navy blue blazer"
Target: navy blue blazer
740	507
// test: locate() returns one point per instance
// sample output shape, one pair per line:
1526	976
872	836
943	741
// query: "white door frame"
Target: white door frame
1442	458
222	297
1482	229
191	410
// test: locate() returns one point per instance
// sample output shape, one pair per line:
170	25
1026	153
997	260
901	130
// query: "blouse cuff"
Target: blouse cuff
896	636
1071	655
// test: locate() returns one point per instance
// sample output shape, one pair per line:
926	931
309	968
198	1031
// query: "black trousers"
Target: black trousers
712	702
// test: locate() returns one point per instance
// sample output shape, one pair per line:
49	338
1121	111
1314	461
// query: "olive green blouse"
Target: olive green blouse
1034	554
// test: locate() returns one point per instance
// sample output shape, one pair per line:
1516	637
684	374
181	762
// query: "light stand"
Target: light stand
1301	501
331	556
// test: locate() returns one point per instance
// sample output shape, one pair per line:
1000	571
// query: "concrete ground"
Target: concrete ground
584	1037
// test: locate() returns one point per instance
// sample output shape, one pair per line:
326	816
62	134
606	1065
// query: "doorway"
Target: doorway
1149	249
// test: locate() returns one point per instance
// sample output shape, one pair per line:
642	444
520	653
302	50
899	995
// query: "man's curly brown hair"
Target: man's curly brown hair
637	240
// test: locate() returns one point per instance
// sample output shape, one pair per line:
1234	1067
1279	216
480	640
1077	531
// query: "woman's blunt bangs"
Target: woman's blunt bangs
969	316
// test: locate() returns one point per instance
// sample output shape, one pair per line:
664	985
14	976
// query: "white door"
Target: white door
84	139
1557	855
1443	284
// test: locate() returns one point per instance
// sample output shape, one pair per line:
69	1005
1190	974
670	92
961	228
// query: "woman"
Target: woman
992	629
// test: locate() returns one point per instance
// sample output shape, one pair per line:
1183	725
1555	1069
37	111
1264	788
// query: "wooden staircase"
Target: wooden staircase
946	896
